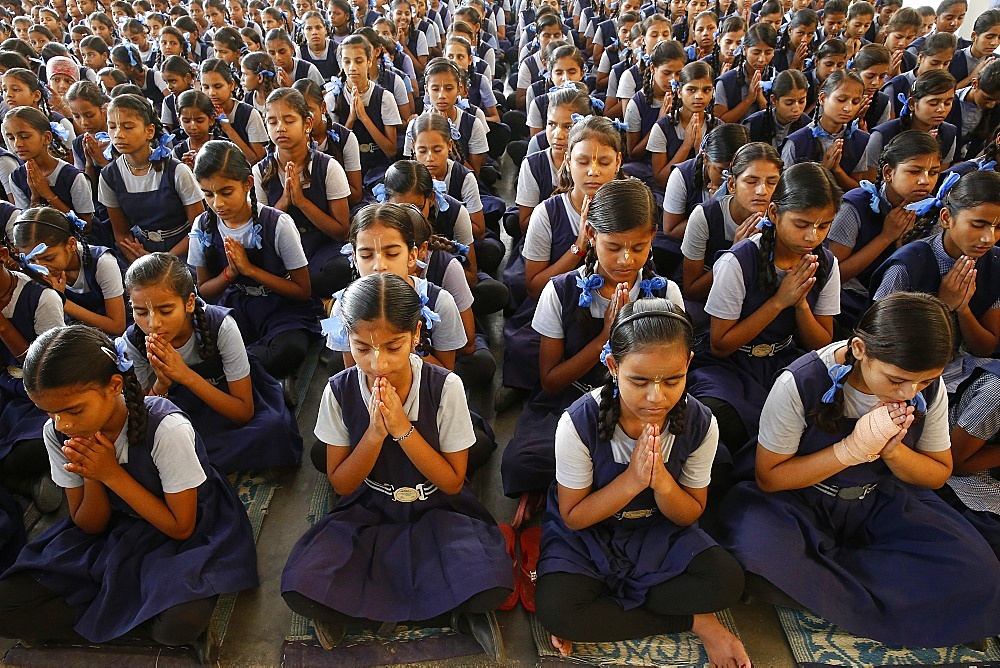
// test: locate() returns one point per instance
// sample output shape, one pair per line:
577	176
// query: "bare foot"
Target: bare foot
565	647
723	648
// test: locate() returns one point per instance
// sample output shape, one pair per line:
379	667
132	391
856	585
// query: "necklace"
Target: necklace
132	168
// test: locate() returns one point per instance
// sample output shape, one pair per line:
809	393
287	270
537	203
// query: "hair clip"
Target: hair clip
764	222
25	259
456	133
906	104
59	131
588	286
334	86
347	250
726	173
651	285
335	329
201	236
256	240
837	374
876	198
162	152
440	190
647	60
78	223
121	360
924	206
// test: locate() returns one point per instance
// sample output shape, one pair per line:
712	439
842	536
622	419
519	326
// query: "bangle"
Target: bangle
404	436
225	274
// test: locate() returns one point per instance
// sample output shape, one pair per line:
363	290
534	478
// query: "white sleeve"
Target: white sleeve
82	194
232	350
187	186
574	467
175	456
105	194
457	285
605	65
478	144
845	227
828	302
336	185
408	140
449	334
538	238
22	200
633	119
49	313
390	109
57	460
674	295
524	75
697	470
109	277
470	193
788	153
547	319
720	95
695	241
421	44
352	154
315	75
288	243
527	187
657	142
455	432
463	227
68	124
726	296
782	420
534	115
330	427
399	95
675	195
256	131
626	86
936	436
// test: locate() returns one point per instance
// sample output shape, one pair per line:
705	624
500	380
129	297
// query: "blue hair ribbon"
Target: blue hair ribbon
726	173
379	192
605	351
926	205
650	285
265	73
59	131
462	103
347	250
851	128
121	360
646	60
985	166
906	104
837	374
621	126
674	86
615	43
78	223
132	59
335	328
162	152
430	317
421	264
334	86
876	198
738	51
566	85
256	240
333	136
440	190
461	249
456	132
808	62
918	402
25	259
201	236
766	86
691	53
850	64
763	222
588	286
546	75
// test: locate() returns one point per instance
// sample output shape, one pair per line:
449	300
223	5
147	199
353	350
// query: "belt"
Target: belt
635	514
160	235
583	387
15	372
368	148
252	290
766	349
404	494
847	493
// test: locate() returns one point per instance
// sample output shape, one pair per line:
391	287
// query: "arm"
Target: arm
776	472
697	279
112	324
972	454
925	469
980	338
89	506
357	188
253	152
537	274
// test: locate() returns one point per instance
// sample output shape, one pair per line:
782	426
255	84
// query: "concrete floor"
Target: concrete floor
261	620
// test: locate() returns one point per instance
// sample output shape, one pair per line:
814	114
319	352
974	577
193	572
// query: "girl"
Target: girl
309	186
833	138
172	43
785	113
848	458
478	88
395	59
757	312
653	102
252	40
89	105
240	122
618	50
197	49
333	138
899	33
872	63
706	29
152	199
926	109
795	41
654	30
194	354
935	54
44	178
565	63
104	27
179	77
676	136
365	108
412	41
259	79
860	16
126	58
290	69
23	89
738	92
572	321
137	33
830	57
247	266
361	410
88	277
633	462
717	224
228	45
319	49
199	122
164	518
341	20
969	62
726	45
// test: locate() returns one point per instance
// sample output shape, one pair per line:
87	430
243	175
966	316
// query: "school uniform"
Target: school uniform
98	281
441	538
132	571
709	231
963	63
681	196
269	438
731	88
325	61
917	577
11	529
248	123
811	142
8	163
899	84
743	378
529	459
642	116
879	110
69	184
342	145
536	178
946	135
759	120
968	117
153	87
382	109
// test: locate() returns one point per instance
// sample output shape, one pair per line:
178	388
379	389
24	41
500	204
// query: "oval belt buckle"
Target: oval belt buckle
405	495
364	148
15	372
851	493
637	514
762	350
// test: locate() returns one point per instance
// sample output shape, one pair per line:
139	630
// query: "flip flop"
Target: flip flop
511	601
531	539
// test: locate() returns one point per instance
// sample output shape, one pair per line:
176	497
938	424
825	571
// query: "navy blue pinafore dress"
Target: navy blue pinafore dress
11	529
375	557
638	547
717	242
132	571
643	169
898	565
158	219
270	438
853	304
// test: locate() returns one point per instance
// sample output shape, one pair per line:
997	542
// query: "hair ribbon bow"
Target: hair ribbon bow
78	223
256	240
456	133
876	198
105	137
379	192
837	374
588	286
201	236
766	86
59	131
430	317
440	189
650	285
262	72
763	222
334	86
121	359
132	58
605	352
347	250
462	103
25	259
162	151
924	206
984	166
906	104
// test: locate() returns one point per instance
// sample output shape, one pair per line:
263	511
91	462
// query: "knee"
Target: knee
481	451
489	296
476	369
182	624
555	608
724	577
318	456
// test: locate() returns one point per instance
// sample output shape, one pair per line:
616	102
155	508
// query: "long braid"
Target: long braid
677	417
589	269
211	228
715	60
649	269
676	106
647	85
767	277
770	129
699	172
135	403
829	417
206	342
609	412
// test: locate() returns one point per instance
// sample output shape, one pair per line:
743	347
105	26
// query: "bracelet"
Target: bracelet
404	436
225	274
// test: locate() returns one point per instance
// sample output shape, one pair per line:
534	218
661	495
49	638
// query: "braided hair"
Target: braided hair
312	93
140	107
807	185
665	324
695	71
225	70
78	356
664	52
730	25
409	177
833	83
887	331
345	7
45	225
972	190
721	144
258	63
430	122
784	83
185	47
759	33
383	296
198	100
168	271
905	146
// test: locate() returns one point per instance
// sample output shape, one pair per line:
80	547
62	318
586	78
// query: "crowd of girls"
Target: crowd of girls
750	257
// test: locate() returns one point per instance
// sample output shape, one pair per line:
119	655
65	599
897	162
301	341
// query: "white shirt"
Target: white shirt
80	191
287	242
185	185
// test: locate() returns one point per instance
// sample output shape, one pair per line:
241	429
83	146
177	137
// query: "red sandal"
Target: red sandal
531	539
511	601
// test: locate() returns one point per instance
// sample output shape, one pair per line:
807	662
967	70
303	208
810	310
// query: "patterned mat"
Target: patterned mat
817	642
675	651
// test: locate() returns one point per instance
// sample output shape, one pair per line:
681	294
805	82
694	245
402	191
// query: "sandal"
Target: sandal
511	601
531	539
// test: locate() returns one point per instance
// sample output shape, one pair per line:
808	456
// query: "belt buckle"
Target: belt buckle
255	291
851	493
154	235
405	494
762	350
637	514
365	148
15	372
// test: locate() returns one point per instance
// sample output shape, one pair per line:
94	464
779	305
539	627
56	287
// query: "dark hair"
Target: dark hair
972	190
141	107
125	89
381	296
662	53
201	102
38	122
123	55
860	8
759	33
66	357
907	17
831	47
252	34
833	82
592	127
986	20
177	65
116	75
938	42
989	83
30	79
10	60
278	35
664	324
945	5
95	43
230	37
732	23
807	185
87	91
905	146
49	226
695	71
294	99
934	82
169	271
835	7
225	70
221	158
783	84
576	98
433	122
753	152
345	7
406	177
258	62
393	216
871	55
803	18
185	48
721	145
910	330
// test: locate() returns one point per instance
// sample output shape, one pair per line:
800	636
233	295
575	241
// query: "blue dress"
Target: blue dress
159	218
898	565
132	571
377	558
629	555
11	529
269	438
853	304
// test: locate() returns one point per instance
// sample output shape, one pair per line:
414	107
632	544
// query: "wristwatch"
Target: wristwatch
577	251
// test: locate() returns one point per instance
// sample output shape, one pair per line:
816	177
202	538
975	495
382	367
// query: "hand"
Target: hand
866	102
581	236
987	59
831	158
898	222
92	458
895	62
165	360
726	66
57	281
640	465
37	182
284	81
747	228
376	424
903	416
237	256
132	249
695	130
798	282
618	300
872	433
94	150
188	158
959	284
391	409
801	53
668	104
660	478
293	184
358	104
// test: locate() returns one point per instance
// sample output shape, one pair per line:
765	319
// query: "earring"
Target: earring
614	379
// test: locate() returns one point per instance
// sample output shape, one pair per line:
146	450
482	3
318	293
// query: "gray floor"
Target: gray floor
261	619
